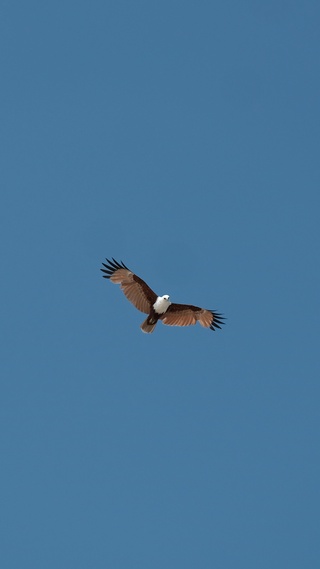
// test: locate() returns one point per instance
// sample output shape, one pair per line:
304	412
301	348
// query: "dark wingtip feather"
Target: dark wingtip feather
107	275
218	320
112	267
113	263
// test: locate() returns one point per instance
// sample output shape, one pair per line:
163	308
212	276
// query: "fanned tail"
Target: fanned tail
146	327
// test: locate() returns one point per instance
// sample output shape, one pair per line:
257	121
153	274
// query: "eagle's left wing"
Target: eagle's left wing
135	289
187	315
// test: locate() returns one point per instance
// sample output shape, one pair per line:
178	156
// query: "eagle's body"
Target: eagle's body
157	307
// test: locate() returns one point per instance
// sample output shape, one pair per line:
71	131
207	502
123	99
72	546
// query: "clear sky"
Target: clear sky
182	138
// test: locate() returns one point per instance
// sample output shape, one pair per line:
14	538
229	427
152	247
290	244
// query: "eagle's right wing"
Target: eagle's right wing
188	315
135	289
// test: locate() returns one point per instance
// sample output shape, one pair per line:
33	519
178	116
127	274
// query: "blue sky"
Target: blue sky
182	138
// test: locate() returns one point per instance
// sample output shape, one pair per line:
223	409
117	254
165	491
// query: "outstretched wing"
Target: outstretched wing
187	315
135	289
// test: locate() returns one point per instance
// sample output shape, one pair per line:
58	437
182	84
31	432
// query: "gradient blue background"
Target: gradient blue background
183	138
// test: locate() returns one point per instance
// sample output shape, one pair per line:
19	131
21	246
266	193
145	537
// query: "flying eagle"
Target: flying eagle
157	307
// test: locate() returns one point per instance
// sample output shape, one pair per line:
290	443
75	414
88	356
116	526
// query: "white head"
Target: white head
162	304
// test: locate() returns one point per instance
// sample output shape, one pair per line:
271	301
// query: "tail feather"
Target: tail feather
146	327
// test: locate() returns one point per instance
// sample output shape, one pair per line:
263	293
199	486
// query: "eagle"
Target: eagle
157	307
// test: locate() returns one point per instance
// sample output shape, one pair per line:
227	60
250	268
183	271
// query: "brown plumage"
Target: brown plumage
157	308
